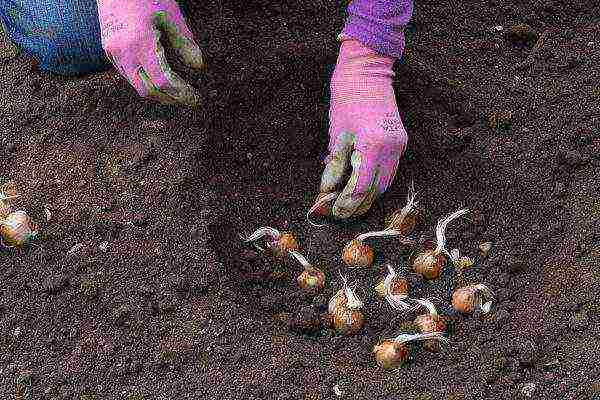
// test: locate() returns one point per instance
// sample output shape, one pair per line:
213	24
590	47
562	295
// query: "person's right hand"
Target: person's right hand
131	31
365	131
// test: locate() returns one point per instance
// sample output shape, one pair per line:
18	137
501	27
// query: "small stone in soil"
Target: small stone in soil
485	248
139	219
76	249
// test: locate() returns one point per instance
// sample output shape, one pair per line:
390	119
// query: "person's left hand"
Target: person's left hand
365	130
131	32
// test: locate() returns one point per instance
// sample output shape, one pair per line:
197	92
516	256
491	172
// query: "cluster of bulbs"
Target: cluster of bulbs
345	308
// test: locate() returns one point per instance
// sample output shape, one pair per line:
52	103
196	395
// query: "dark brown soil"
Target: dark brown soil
139	285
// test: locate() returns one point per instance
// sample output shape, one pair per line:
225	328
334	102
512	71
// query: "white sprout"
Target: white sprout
352	299
455	255
429	306
387	232
354	302
407	241
260	232
394	300
440	231
4	197
332	301
325	199
481	292
411	203
301	259
405	337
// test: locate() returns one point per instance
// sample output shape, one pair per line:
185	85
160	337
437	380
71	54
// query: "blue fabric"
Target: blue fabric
63	35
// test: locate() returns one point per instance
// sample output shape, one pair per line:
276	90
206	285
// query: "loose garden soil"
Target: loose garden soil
139	287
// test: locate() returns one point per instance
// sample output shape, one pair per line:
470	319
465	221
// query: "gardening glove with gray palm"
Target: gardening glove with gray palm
366	132
131	31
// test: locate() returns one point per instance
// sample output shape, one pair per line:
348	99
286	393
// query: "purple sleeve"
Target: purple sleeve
379	24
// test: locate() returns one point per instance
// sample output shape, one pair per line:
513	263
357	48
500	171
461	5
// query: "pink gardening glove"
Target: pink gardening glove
365	129
131	30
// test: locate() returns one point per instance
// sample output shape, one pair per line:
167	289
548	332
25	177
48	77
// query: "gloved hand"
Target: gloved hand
131	31
365	129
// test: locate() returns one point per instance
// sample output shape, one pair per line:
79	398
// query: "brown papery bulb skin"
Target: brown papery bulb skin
338	301
399	287
311	281
346	321
429	265
324	209
390	355
358	254
463	300
428	323
407	224
21	230
286	243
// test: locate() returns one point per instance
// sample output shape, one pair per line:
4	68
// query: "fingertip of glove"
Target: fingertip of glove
341	212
